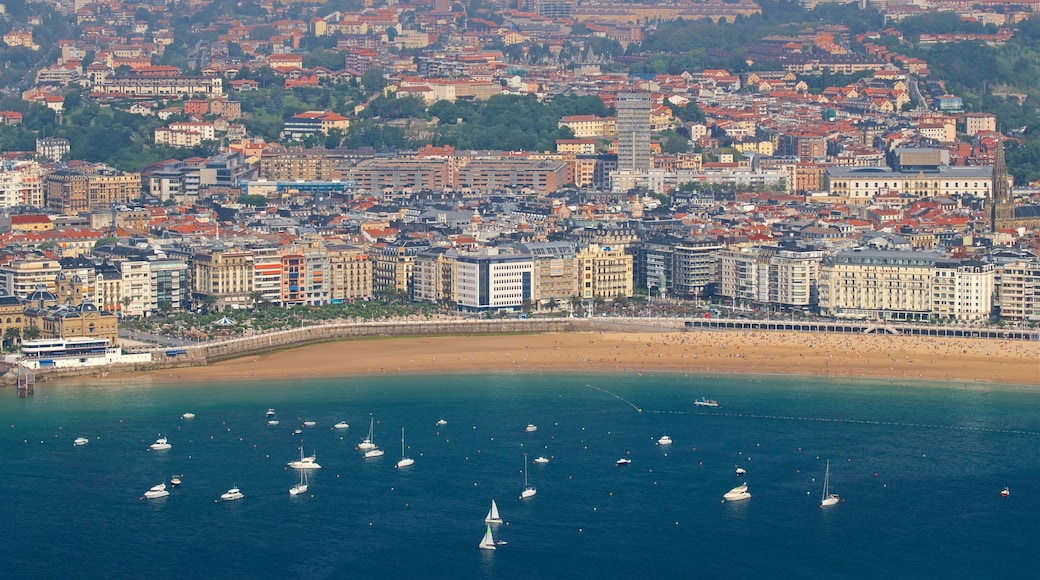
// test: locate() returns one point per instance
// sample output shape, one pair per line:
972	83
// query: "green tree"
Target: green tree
31	332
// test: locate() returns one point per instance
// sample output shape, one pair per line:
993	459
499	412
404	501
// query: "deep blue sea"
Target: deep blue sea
919	471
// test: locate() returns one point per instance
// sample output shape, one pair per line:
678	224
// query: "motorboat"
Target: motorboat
405	461
80	441
442	422
301	487
541	460
232	494
307	462
737	493
160	444
309	423
530	428
366	443
827	498
664	440
740	471
156	491
376	452
341	425
175	480
188	416
702	402
269	413
623	462
1005	492
272	423
297	432
529	490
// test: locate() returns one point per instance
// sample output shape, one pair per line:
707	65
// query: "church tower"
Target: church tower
1002	209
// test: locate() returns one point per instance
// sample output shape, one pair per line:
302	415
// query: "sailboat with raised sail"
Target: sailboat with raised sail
828	498
488	541
529	491
493	517
366	443
405	461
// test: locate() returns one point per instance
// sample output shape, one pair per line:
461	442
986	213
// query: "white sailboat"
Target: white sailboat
366	443
493	517
529	491
300	487
488	541
405	461
828	498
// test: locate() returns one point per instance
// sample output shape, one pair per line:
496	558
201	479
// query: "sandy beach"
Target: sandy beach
873	356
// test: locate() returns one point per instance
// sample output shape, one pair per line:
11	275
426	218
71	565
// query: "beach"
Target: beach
828	355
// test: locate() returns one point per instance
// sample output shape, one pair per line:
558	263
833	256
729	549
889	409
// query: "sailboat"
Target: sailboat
300	487
827	498
488	541
405	461
493	517
366	443
528	490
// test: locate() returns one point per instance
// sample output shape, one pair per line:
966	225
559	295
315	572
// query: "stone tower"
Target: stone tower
1002	209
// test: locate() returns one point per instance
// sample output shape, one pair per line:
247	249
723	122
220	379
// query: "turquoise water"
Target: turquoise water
919	471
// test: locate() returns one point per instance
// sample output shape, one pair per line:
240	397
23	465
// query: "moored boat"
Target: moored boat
79	441
160	444
702	402
232	494
664	440
737	493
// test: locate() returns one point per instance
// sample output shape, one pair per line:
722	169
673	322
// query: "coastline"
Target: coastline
756	352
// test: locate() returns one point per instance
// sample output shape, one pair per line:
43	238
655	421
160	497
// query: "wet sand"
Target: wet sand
829	355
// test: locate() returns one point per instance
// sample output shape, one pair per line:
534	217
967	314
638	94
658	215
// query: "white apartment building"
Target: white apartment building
492	281
770	275
1018	290
20	184
963	290
23	277
137	299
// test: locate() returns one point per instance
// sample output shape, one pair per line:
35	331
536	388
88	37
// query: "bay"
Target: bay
919	470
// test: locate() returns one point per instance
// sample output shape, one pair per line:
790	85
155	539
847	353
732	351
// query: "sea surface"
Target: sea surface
919	472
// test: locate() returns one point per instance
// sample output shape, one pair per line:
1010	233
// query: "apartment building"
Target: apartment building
21	278
350	273
770	276
963	290
1017	286
878	284
20	184
223	277
492	280
604	271
72	191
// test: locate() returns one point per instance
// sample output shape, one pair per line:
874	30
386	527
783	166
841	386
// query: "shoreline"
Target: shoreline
927	359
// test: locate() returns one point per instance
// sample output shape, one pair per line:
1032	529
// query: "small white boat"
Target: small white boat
529	491
664	440
493	517
175	480
737	493
1005	492
297	432
232	494
160	444
188	416
309	423
305	462
623	462
828	498
405	461
740	471
272	422
376	452
702	402
269	413
79	441
156	491
488	541
340	425
442	422
366	443
541	460
530	428
301	487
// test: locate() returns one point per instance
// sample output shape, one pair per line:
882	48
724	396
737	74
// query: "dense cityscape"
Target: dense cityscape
529	158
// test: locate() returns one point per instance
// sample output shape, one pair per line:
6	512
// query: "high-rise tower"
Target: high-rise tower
633	122
1002	207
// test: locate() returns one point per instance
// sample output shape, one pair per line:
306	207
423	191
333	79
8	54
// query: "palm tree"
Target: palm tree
576	304
11	336
553	304
31	332
528	306
126	301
